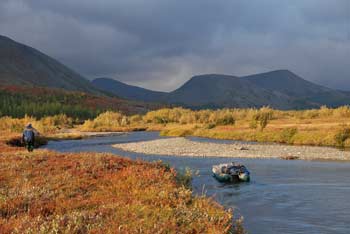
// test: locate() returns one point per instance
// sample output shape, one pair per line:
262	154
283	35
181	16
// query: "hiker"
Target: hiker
28	137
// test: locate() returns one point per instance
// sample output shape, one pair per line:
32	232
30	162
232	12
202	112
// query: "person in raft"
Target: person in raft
28	137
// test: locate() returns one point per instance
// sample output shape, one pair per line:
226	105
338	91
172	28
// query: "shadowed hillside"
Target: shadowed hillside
279	89
286	82
128	91
23	65
215	91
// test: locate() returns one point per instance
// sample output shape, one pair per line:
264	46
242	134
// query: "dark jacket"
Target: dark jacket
28	135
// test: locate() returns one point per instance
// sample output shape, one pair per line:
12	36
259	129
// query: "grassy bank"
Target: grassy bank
48	192
321	127
337	135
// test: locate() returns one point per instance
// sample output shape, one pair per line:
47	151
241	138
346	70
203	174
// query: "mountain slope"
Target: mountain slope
224	91
18	101
280	89
302	91
286	82
23	65
128	91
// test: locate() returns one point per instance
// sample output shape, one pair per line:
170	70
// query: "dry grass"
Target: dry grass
322	127
46	125
318	135
112	122
48	192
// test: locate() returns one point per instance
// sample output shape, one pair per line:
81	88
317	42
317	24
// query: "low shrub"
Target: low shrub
253	124
44	125
210	126
225	120
262	118
136	119
100	193
342	112
342	135
288	134
107	121
184	178
178	132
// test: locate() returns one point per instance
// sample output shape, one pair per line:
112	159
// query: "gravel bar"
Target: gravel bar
184	147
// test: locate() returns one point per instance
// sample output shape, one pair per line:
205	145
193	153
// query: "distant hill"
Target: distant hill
286	82
302	91
216	91
279	89
23	65
128	91
36	84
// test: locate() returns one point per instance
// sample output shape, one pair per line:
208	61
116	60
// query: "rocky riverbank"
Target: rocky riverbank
185	147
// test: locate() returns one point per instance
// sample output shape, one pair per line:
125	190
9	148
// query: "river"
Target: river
283	197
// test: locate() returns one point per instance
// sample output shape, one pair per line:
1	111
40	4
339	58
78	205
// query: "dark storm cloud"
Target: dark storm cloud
161	43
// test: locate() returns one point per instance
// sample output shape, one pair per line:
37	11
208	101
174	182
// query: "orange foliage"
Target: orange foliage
51	192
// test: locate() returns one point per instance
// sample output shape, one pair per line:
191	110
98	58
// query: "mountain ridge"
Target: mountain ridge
23	65
280	89
127	91
291	84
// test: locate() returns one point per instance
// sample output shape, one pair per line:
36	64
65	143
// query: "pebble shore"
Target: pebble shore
184	147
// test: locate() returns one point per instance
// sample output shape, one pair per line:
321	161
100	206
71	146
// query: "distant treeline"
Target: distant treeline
19	105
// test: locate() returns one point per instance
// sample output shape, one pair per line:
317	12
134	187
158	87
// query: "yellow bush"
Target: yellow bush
136	119
107	121
314	127
342	112
9	124
45	125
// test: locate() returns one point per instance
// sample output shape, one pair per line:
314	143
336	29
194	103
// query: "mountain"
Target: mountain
23	65
302	91
286	82
128	91
216	91
204	91
279	89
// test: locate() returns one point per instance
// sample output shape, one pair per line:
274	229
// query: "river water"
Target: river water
283	196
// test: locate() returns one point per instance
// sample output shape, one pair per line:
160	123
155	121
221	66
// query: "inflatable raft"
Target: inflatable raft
231	172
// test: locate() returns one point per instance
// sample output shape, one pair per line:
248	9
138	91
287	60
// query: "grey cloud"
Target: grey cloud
159	44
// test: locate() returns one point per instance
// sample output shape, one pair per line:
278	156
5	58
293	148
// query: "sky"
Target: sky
160	44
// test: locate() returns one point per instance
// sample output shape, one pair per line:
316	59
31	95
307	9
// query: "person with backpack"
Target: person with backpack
28	137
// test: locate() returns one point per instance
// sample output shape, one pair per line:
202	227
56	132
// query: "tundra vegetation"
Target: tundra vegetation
50	192
46	192
322	127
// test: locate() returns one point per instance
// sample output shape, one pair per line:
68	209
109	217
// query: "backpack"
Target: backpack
28	135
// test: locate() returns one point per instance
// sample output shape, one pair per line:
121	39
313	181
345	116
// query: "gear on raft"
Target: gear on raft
231	172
